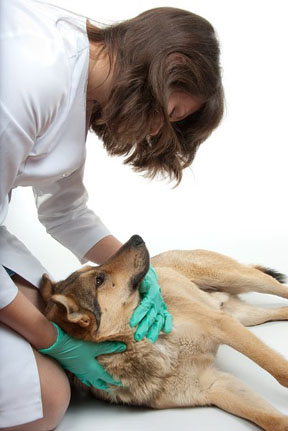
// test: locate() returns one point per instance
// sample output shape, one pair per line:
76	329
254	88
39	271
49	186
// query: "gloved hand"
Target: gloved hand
152	310
79	357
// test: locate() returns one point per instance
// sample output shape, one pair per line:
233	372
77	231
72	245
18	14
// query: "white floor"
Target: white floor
86	413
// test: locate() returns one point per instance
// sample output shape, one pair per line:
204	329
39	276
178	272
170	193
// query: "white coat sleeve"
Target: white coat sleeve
62	209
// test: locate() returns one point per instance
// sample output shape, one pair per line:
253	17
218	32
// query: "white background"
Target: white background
232	200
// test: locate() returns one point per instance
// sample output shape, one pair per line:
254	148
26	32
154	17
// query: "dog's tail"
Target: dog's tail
282	278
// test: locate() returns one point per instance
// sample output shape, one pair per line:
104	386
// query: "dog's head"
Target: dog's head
97	302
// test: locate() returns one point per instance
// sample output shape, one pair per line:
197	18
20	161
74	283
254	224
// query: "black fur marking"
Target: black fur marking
97	312
61	286
273	273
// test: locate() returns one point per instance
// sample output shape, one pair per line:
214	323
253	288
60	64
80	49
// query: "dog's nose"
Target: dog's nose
136	240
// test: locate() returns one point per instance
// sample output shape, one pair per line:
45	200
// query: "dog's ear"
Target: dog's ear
46	287
71	310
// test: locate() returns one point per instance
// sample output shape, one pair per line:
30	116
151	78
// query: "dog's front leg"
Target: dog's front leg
227	330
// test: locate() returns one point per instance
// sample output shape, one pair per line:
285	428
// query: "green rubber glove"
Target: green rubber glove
79	357
152	312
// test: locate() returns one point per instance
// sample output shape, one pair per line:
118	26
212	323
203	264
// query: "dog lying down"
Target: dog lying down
200	289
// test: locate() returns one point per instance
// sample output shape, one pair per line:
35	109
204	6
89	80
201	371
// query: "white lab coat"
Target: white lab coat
43	129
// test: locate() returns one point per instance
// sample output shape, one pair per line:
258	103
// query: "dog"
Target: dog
200	289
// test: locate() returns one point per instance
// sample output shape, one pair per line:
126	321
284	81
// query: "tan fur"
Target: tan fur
200	289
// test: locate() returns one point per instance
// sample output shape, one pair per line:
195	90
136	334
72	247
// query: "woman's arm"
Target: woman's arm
103	249
74	355
22	316
62	209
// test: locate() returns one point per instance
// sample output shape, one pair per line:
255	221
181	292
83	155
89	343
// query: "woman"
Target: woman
150	87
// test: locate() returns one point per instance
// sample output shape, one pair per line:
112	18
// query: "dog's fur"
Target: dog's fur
200	289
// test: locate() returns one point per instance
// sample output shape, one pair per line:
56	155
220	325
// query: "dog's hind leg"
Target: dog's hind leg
225	329
250	315
212	271
230	394
206	386
241	279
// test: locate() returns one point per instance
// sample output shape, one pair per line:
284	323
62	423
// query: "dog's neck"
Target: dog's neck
124	334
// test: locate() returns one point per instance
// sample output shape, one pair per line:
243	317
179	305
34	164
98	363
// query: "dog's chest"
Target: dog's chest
142	369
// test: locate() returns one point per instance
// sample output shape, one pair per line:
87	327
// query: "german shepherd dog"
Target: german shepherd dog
200	289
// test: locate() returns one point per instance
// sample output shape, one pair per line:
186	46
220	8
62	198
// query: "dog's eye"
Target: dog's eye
99	280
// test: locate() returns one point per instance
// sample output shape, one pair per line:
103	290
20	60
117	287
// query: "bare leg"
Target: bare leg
55	387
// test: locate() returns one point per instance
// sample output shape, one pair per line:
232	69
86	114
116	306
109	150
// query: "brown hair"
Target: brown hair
144	74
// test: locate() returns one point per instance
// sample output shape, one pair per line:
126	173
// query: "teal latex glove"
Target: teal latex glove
79	357
152	312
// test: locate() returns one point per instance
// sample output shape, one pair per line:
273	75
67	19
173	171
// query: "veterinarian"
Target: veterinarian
149	87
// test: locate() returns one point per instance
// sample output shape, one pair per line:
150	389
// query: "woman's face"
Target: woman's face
180	105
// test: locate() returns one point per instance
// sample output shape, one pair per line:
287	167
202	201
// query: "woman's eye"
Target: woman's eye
99	280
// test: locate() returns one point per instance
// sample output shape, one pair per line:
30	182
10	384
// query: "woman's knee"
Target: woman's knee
55	390
55	394
55	387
